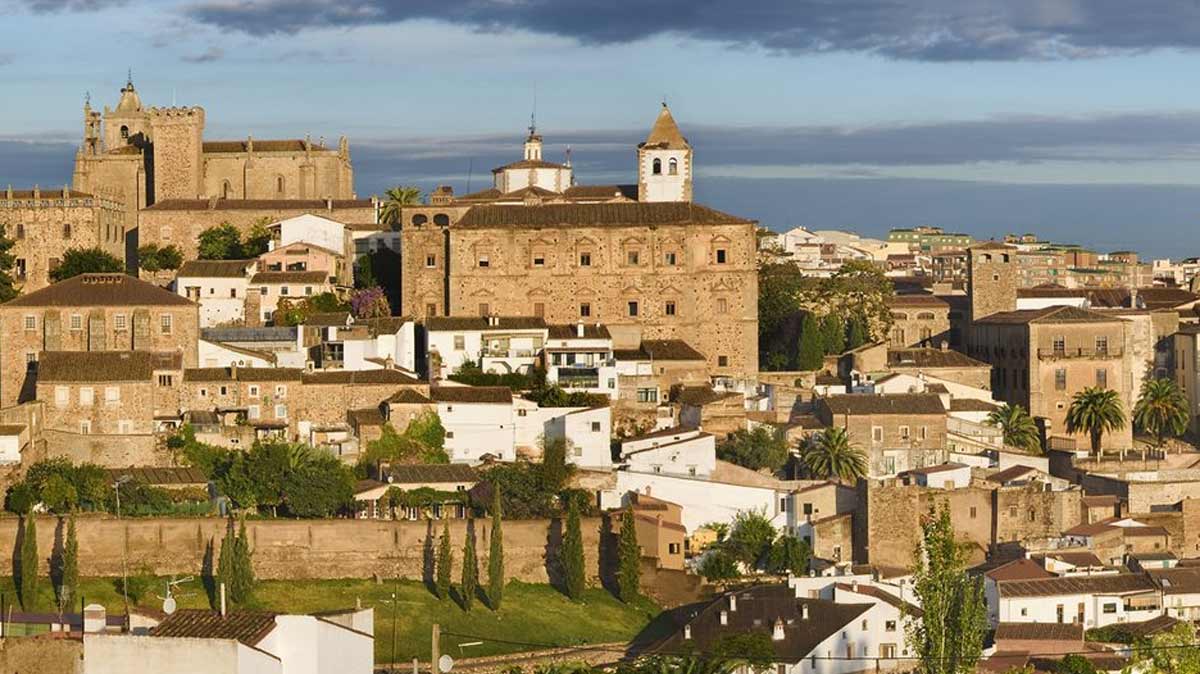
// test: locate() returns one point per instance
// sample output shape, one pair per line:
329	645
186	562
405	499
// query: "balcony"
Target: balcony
1061	354
578	377
509	353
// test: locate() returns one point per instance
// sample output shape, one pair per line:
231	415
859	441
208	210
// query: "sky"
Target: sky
1075	119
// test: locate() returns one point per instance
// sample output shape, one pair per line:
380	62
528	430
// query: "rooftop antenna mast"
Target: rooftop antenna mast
533	113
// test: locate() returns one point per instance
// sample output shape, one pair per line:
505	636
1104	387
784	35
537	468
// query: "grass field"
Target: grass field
531	613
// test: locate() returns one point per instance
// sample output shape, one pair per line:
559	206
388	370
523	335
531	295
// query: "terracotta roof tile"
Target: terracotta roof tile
929	358
1040	632
1120	583
441	323
471	394
248	627
891	403
100	290
634	214
265	277
215	268
359	377
317	205
104	366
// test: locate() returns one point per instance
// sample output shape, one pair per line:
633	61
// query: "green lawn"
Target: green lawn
530	614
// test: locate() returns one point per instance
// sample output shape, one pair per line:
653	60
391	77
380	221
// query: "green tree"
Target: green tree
243	567
571	555
1019	429
1074	664
78	261
495	591
811	352
719	565
59	495
760	448
410	447
364	272
948	636
153	258
833	334
470	569
789	555
1161	410
857	333
555	470
755	650
221	242
20	498
323	487
1095	411
1172	652
444	560
257	239
831	455
427	429
860	288
629	556
8	287
227	561
395	199
68	568
750	538
26	573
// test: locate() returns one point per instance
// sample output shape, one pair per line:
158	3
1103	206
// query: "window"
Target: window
673	167
450	436
877	434
669	258
166	380
974	512
87	396
525	413
595	426
20	231
85	427
539	260
253	390
30	322
647	395
670	308
632	257
585	310
112	394
164	324
633	308
720	256
904	432
20	267
1101	378
253	411
722	361
281	411
124	132
280	184
585	259
224	390
283	290
656	167
923	432
280	391
673	548
1110	608
125	427
539	309
1102	345
431	310
430	260
484	262
1060	379
308	290
460	343
484	310
722	305
76	322
62	395
1059	345
66	230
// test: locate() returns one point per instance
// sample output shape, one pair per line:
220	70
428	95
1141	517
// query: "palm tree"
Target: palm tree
396	198
832	455
1095	411
1161	410
1018	427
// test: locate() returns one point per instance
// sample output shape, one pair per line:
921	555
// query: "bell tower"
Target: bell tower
665	162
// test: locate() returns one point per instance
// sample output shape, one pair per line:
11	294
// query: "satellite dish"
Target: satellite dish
169	605
445	663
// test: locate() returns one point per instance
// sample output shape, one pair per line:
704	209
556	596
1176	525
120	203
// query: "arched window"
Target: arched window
124	132
673	167
419	219
441	220
280	185
227	189
656	167
67	230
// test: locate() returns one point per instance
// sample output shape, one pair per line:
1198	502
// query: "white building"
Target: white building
309	228
13	438
194	640
719	498
368	238
220	354
218	286
533	171
665	162
273	286
674	451
283	343
478	420
1093	601
580	358
587	431
943	476
501	344
372	342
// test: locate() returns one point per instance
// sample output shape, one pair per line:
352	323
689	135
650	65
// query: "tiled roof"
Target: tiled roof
214	268
471	394
1040	632
1091	528
1099	500
882	595
386	325
892	403
100	290
248	627
1019	569
665	134
159	476
418	473
359	377
899	358
446	323
600	192
1011	473
12	429
917	300
1055	314
289	145
1146	628
530	164
257	204
279	333
697	396
1076	558
1120	583
408	396
290	277
328	319
940	468
623	214
369	416
971	405
590	331
219	374
670	349
104	366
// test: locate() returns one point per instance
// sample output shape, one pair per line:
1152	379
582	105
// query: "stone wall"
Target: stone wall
45	224
45	654
178	165
306	548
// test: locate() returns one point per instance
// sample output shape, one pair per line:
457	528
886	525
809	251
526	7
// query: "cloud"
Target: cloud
928	30
7	58
209	55
52	6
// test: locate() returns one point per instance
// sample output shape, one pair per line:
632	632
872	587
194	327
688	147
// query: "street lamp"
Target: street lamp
124	563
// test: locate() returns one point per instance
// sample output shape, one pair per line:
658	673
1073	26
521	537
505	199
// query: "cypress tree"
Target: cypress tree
572	554
28	583
629	554
810	355
470	568
243	573
444	561
68	583
227	562
833	334
495	591
857	333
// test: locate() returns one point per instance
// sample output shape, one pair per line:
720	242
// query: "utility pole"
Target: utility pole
436	650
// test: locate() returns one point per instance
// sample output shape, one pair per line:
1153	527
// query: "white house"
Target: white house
1180	591
282	342
367	238
674	451
719	498
478	421
220	354
884	624
943	476
1093	601
273	286
218	286
192	640
587	431
501	344
580	358
371	342
309	228
13	438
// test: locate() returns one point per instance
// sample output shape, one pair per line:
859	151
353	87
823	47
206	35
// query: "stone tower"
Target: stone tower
128	123
991	279
178	168
665	162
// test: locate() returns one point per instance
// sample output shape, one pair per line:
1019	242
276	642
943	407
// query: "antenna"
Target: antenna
533	113
170	605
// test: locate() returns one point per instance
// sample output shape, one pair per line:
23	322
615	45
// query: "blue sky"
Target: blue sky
1078	119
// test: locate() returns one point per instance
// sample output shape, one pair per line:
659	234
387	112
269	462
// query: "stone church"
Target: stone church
147	155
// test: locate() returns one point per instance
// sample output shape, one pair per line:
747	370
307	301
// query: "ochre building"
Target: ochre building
44	224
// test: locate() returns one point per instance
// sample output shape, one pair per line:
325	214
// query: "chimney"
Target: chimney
37	192
95	619
724	617
803	610
579	329
777	633
687	632
223	613
854	585
233	371
945	346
